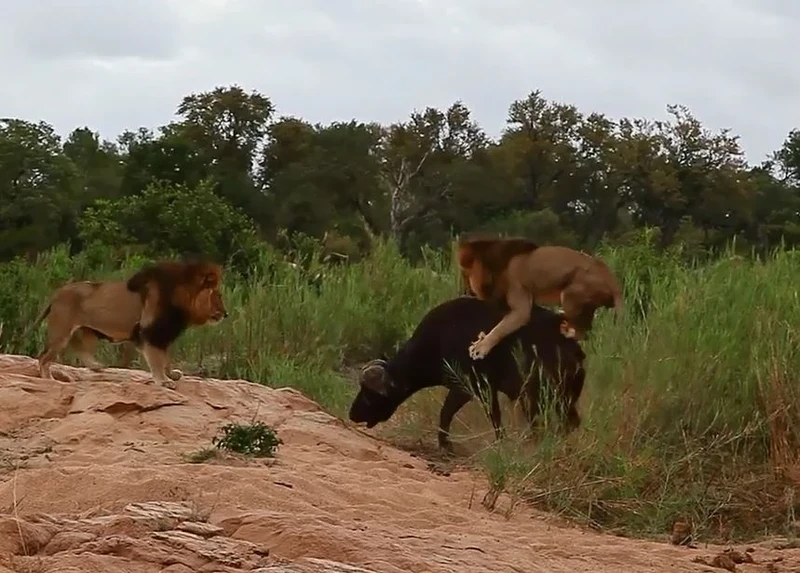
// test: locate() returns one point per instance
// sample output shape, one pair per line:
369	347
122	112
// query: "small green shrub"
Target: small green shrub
256	439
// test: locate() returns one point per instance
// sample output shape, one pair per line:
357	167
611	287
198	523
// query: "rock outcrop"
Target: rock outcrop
95	476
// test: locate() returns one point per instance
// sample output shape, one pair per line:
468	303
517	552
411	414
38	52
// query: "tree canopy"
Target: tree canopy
227	174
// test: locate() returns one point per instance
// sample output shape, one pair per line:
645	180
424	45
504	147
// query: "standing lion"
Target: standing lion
151	310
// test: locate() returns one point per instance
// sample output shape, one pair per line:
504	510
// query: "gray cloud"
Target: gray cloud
53	29
113	65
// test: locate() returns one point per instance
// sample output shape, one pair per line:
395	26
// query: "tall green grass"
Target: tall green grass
690	409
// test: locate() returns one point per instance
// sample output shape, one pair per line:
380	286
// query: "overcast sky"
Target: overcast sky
117	64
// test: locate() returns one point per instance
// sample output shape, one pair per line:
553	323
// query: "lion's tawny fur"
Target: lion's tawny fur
150	309
517	274
97	309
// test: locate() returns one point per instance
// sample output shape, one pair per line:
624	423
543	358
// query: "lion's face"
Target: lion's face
208	307
578	325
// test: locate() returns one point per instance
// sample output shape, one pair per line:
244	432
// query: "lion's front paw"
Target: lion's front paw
162	380
175	374
166	383
478	349
567	329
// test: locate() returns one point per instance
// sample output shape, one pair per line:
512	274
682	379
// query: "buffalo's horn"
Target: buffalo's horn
373	377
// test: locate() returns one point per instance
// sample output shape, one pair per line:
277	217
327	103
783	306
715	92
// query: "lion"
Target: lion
149	310
517	273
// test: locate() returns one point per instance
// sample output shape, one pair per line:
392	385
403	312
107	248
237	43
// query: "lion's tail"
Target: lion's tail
45	311
42	314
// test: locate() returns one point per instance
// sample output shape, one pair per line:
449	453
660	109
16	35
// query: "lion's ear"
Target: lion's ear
210	280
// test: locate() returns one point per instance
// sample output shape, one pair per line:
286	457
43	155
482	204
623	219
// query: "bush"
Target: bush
256	439
171	218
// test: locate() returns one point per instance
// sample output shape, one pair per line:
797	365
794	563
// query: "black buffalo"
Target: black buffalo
437	350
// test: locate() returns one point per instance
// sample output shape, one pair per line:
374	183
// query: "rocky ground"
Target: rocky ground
94	478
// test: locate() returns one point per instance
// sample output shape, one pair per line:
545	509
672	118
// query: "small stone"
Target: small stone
723	562
681	533
739	557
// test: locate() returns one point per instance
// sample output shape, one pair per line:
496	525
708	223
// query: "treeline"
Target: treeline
228	175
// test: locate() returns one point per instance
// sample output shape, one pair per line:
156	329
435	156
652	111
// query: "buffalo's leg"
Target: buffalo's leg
530	399
455	400
497	421
573	392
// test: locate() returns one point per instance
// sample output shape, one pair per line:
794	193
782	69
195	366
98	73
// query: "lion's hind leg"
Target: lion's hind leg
49	354
59	335
85	349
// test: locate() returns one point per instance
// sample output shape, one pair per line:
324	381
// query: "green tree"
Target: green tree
97	165
556	174
37	188
539	148
228	127
429	173
776	199
168	157
786	161
587	195
173	219
678	171
322	178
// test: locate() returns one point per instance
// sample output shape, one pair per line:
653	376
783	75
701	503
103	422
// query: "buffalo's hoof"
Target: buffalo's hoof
445	444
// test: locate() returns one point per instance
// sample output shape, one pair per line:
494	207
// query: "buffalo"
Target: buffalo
436	355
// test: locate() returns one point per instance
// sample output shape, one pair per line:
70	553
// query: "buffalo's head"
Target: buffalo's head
378	396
